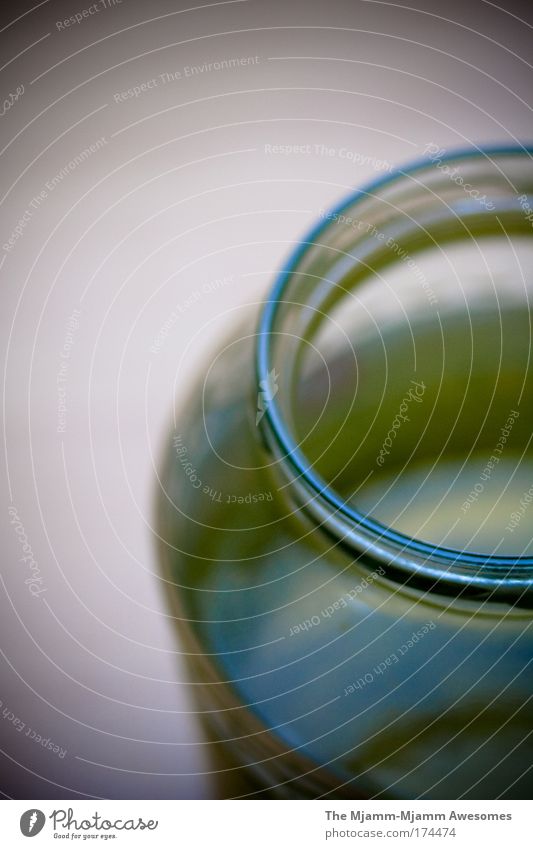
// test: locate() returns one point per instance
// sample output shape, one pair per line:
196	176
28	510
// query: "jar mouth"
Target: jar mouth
363	532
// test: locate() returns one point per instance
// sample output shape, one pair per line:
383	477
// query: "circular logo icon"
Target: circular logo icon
32	822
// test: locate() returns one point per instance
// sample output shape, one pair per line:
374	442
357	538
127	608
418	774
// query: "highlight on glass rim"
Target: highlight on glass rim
345	504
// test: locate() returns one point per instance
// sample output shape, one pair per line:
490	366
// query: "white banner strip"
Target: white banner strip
264	824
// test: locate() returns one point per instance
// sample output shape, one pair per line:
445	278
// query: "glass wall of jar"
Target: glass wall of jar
346	506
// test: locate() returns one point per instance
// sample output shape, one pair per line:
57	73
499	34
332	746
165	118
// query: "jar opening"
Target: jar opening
399	336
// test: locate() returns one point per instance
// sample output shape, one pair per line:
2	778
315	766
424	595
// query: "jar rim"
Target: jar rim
511	570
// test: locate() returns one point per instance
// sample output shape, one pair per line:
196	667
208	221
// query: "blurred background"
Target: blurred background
159	161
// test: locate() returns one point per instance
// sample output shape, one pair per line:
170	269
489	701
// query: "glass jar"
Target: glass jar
345	510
